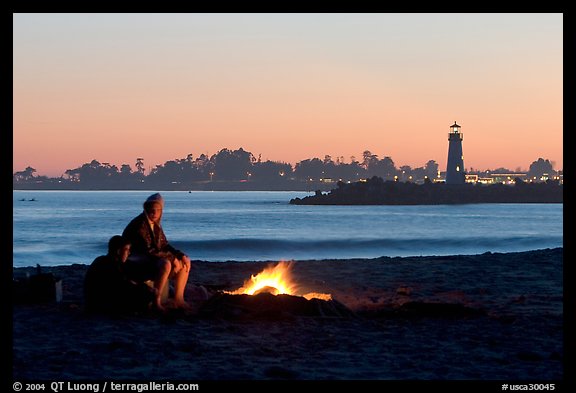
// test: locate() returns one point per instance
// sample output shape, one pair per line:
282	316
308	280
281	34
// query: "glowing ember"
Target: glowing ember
275	280
322	296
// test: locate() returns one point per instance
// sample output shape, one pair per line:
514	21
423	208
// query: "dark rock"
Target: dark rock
375	191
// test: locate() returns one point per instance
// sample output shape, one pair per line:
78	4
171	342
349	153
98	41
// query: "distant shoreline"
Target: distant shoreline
378	192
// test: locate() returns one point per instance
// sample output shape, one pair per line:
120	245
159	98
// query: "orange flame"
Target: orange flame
274	279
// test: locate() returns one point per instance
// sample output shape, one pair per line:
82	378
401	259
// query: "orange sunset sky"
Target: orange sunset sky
115	87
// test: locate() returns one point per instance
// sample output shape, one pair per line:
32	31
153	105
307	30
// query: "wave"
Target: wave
253	243
254	249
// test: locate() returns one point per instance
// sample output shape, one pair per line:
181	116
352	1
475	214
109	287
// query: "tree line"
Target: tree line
239	169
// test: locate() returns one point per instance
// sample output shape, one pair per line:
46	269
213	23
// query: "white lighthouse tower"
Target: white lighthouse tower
455	166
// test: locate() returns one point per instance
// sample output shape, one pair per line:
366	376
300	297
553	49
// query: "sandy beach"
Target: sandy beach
495	316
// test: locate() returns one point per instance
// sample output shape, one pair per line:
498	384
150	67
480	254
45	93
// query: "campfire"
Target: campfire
276	280
273	294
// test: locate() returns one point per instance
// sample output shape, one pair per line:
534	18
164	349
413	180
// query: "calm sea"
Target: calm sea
65	227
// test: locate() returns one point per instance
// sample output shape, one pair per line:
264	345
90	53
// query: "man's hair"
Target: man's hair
116	242
152	199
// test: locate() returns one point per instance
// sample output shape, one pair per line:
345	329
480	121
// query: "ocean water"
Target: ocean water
65	227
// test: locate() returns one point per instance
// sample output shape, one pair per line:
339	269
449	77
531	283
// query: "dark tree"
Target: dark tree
25	175
94	174
232	165
271	171
369	159
309	169
383	168
125	169
140	166
539	168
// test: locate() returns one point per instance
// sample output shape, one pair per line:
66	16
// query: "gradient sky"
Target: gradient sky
115	87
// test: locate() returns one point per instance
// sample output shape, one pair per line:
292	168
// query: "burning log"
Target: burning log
269	306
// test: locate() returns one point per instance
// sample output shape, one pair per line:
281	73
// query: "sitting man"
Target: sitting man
106	286
153	258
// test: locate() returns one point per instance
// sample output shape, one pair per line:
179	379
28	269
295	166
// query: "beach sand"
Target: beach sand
495	316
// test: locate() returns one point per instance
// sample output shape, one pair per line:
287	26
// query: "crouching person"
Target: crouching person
108	289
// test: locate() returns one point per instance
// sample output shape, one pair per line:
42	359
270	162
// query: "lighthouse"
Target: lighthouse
455	166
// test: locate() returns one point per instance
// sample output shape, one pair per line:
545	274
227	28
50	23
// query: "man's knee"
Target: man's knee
164	266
